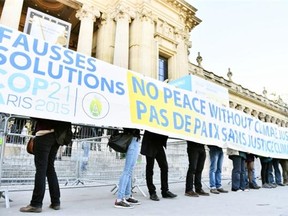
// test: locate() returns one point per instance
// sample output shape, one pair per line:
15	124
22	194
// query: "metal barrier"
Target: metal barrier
88	161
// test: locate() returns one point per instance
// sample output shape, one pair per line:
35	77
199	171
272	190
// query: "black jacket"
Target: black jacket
152	142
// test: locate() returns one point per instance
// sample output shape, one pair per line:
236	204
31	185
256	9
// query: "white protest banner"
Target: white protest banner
44	80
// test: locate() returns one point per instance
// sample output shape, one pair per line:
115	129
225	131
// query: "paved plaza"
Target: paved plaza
98	201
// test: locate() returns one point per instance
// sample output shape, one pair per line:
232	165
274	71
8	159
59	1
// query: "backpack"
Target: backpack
63	132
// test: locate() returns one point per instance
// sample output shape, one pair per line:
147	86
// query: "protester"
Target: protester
124	195
215	171
196	156
45	150
238	172
250	172
153	145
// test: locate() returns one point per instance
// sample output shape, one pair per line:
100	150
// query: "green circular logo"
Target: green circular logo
95	107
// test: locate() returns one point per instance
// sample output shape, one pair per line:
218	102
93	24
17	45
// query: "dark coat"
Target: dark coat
152	142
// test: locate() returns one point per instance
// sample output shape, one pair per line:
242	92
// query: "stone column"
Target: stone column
11	13
142	55
106	37
182	38
87	14
122	16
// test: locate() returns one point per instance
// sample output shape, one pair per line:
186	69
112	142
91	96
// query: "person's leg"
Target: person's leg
42	148
218	174
192	158
163	165
133	154
263	172
236	160
213	167
277	172
149	175
242	174
52	177
199	168
284	163
124	189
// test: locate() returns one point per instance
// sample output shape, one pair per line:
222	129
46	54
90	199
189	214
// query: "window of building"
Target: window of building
163	68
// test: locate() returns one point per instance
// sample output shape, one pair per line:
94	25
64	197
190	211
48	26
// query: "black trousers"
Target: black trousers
197	157
162	162
45	150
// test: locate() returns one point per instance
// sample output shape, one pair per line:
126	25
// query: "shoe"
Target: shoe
280	184
272	185
214	191
221	190
236	190
123	204
133	201
266	186
55	206
30	208
192	194
154	197
168	194
202	192
246	190
253	186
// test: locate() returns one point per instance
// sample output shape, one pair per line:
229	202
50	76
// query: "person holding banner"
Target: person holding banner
238	172
153	145
125	199
196	156
215	171
45	150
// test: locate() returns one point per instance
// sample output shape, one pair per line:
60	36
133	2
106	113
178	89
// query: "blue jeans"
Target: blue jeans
277	177
216	162
125	182
85	158
238	172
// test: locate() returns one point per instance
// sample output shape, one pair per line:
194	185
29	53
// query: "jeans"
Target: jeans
266	167
238	172
284	165
216	162
277	179
45	150
125	182
163	164
197	156
85	158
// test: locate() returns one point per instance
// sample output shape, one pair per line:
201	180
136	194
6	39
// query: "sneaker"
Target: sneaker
30	208
202	192
168	194
221	190
192	194
133	201
280	184
123	204
214	191
55	206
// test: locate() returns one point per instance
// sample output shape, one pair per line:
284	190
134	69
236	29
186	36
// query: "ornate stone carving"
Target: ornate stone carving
247	110
147	15
123	12
88	11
